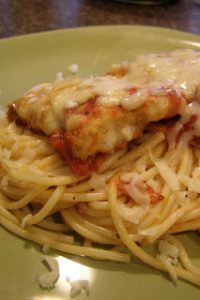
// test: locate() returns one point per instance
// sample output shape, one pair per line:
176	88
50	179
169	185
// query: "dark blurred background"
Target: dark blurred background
27	16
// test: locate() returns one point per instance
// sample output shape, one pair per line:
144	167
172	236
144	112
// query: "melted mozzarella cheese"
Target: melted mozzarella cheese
148	77
151	74
181	67
109	90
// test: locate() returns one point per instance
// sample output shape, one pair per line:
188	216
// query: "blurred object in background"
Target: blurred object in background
148	2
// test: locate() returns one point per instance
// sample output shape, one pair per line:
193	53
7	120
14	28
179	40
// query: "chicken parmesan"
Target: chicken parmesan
111	160
87	119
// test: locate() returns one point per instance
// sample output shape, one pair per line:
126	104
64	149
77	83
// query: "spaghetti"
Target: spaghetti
43	201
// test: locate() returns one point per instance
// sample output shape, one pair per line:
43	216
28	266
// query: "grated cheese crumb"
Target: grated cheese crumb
73	68
77	286
59	77
45	248
169	254
48	279
167	263
168	249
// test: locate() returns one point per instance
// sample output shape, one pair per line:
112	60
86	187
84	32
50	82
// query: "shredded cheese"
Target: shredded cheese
168	256
73	68
48	279
132	214
77	286
168	174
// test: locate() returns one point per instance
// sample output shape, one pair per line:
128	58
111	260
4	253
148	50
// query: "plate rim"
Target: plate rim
155	29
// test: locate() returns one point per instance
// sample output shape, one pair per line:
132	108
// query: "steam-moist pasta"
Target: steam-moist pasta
144	192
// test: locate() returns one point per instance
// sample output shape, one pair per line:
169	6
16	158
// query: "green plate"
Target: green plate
32	59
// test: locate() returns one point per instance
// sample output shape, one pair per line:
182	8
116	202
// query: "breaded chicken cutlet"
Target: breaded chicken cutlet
87	119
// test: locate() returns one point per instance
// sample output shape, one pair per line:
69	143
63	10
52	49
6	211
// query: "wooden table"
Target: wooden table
27	16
